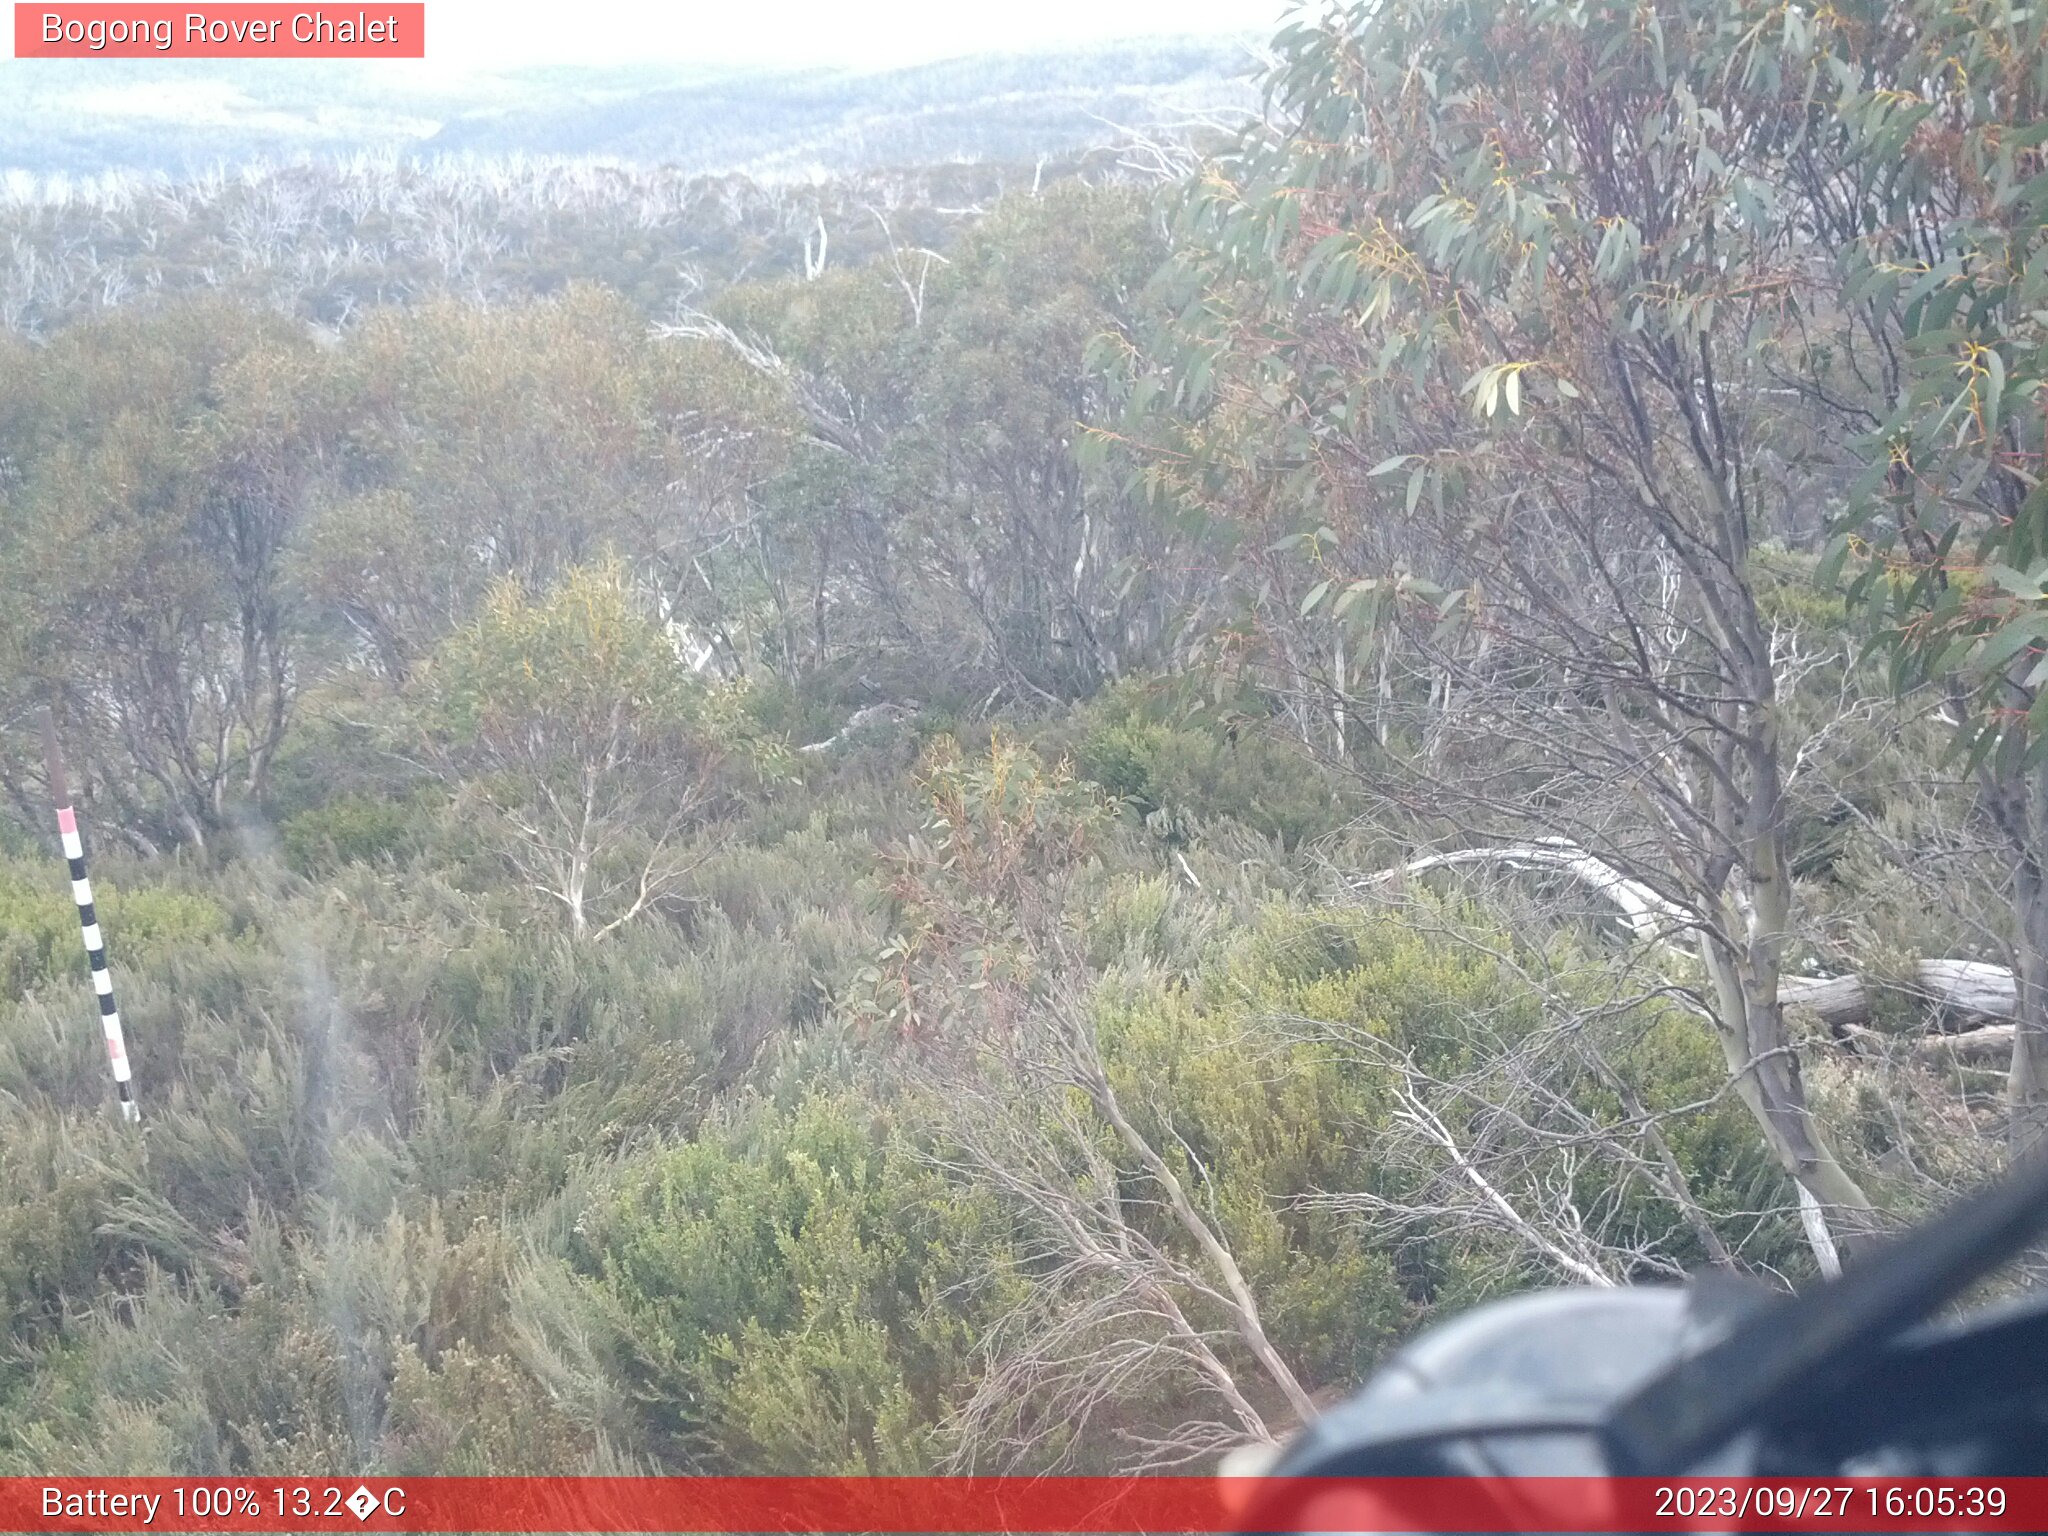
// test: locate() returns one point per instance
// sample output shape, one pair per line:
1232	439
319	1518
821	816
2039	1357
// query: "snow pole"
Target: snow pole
88	920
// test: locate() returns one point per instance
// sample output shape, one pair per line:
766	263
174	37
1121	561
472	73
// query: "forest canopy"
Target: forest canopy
1013	820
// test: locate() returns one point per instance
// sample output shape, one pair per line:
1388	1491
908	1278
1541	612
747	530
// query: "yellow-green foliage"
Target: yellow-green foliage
39	923
799	1289
1250	1122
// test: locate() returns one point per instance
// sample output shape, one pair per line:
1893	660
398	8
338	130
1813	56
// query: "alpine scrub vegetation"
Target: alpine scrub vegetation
1024	856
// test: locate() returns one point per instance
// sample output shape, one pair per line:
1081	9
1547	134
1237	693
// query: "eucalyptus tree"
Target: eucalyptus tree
588	750
1932	190
481	444
153	467
1471	358
931	503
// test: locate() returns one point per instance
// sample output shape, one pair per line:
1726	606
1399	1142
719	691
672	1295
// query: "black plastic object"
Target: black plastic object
1718	1377
1523	1386
1790	1359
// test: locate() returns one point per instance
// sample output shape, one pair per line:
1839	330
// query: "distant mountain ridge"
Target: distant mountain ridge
82	118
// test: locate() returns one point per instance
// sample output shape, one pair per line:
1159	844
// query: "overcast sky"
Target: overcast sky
857	34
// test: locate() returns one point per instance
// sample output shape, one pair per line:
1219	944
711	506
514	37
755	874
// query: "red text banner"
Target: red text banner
1084	1506
262	31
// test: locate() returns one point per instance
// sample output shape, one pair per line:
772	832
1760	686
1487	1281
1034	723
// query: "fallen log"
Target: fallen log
1991	1045
1841	1002
859	721
1641	910
1959	994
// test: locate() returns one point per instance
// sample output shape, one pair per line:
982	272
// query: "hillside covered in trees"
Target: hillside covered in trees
78	120
1011	817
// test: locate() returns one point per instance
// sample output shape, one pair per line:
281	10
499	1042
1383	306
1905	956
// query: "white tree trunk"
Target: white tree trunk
1643	912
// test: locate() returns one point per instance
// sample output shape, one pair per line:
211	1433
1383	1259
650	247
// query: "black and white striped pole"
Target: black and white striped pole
88	920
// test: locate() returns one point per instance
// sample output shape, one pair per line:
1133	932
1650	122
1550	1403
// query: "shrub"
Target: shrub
798	1290
353	829
39	924
1181	769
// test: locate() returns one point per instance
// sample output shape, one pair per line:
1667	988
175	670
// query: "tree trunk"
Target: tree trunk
1767	1078
1992	1043
572	895
2016	796
1960	994
2027	1081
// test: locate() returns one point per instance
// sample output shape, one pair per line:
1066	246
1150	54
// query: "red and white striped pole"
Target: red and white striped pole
88	920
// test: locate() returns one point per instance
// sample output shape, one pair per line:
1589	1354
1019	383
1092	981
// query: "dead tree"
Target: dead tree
1957	993
1136	1291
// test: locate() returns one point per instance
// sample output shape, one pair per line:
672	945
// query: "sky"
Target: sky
854	34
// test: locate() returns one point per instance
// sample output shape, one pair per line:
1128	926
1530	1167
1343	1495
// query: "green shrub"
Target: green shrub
39	938
1179	770
55	1191
798	1289
353	829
